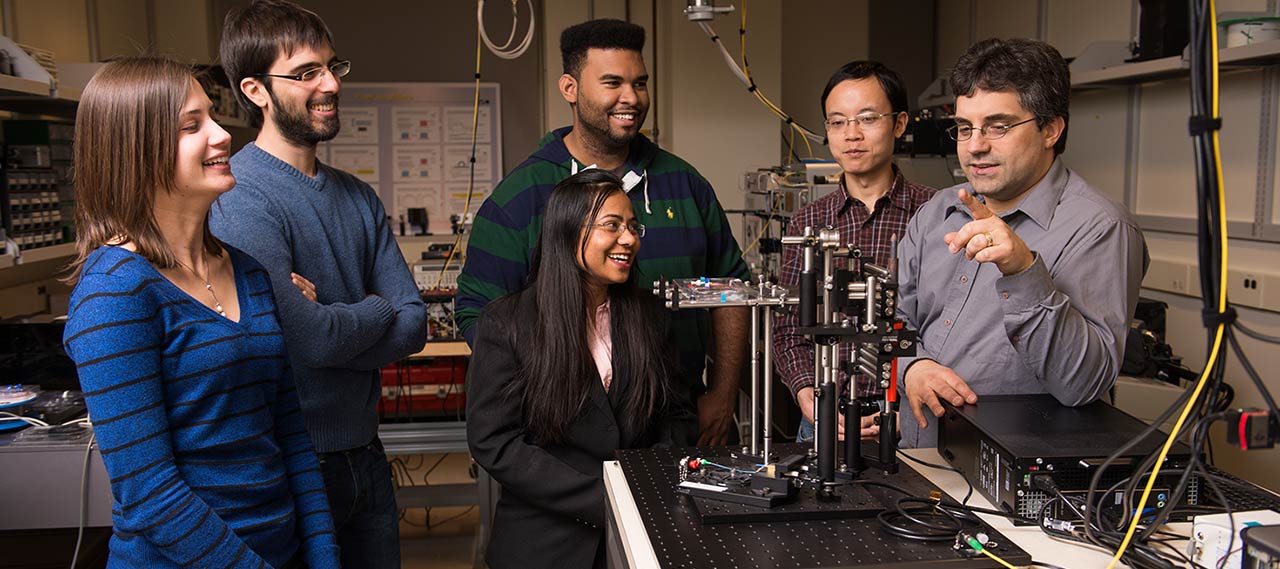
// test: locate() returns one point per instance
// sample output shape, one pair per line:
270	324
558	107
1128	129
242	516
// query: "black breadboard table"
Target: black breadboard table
855	502
680	539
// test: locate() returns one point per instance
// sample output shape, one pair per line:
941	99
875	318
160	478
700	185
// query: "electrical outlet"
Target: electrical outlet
1245	287
1168	276
1270	293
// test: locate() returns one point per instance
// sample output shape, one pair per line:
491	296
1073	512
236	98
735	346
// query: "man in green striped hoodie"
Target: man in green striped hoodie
687	234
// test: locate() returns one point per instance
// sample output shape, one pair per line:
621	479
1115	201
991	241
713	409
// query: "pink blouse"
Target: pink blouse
601	344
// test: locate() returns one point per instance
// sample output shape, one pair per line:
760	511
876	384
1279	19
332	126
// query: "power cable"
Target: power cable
506	51
84	499
743	74
471	177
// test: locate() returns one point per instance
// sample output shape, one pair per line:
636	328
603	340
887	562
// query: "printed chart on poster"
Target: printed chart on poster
412	143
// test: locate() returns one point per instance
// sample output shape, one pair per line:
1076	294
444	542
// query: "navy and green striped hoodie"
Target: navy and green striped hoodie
687	234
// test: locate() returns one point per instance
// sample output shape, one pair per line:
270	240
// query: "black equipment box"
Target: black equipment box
1004	440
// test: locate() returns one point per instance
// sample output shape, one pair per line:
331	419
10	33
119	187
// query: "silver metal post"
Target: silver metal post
870	305
755	379
768	382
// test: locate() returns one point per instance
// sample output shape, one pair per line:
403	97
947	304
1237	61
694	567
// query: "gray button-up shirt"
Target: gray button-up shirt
1058	327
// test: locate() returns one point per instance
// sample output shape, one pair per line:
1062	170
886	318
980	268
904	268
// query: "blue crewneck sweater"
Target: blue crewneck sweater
332	230
197	421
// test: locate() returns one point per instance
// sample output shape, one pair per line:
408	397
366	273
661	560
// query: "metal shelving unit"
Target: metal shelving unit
1134	76
25	96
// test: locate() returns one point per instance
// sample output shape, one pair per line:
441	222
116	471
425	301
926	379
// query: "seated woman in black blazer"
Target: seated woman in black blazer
564	373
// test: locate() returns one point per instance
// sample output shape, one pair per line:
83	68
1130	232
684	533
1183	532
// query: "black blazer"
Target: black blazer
552	509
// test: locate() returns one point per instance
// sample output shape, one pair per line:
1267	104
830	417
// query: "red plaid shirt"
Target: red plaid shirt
869	231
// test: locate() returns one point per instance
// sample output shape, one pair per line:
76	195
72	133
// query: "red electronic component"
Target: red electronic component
436	388
891	394
1251	429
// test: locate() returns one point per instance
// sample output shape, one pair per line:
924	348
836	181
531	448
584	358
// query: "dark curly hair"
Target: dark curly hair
600	34
1032	69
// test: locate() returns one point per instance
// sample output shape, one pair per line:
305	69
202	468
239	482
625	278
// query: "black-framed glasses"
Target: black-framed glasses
339	69
963	132
617	227
864	120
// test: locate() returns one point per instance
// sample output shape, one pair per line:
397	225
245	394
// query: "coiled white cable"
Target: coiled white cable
505	51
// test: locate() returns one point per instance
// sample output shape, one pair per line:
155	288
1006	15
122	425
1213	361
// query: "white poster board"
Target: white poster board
412	143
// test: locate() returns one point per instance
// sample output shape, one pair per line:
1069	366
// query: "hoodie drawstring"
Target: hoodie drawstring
629	181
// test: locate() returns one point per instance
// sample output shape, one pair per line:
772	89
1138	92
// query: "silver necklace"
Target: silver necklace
216	305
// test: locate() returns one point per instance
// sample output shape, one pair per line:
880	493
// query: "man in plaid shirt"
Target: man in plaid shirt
865	105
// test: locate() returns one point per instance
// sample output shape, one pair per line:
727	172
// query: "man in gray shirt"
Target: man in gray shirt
1022	280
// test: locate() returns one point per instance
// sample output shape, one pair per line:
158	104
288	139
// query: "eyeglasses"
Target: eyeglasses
864	120
339	69
963	132
617	227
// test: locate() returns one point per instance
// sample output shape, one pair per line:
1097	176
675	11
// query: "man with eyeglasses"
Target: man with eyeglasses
310	223
605	83
865	105
1022	280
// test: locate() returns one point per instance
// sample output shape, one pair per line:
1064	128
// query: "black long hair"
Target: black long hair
556	380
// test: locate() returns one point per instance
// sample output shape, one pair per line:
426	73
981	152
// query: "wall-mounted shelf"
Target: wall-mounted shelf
16	86
1258	54
40	254
35	97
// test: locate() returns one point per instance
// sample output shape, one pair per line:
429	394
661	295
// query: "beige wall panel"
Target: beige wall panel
1073	24
953	33
183	30
556	16
57	25
1096	139
122	28
615	9
1241	6
1006	19
1166	174
817	38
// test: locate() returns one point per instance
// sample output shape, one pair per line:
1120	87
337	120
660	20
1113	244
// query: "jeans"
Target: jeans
363	502
805	433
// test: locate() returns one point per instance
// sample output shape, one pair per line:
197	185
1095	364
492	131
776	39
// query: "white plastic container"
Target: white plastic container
1248	31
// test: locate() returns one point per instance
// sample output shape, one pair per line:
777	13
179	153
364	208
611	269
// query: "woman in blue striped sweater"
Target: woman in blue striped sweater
177	342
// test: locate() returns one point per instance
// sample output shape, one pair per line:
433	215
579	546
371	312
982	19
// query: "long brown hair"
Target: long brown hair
125	151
